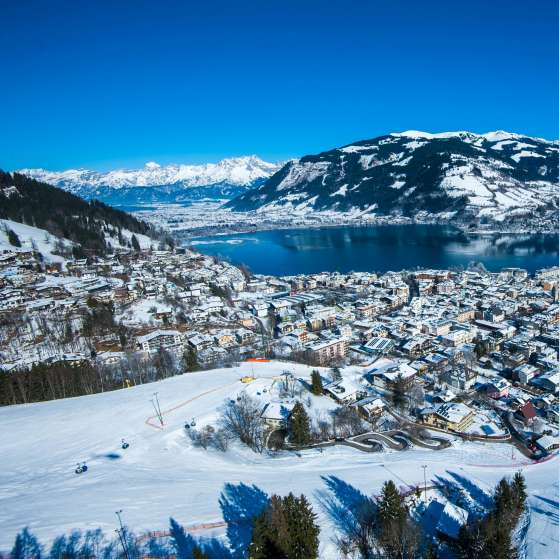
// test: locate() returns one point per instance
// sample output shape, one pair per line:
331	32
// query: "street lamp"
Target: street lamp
425	479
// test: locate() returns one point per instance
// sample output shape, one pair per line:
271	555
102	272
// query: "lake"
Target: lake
379	248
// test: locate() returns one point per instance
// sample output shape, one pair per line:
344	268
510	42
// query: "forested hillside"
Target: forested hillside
88	224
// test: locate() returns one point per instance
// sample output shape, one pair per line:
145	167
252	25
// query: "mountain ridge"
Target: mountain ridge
459	174
173	182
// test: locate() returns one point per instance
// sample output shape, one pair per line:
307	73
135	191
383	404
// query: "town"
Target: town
466	352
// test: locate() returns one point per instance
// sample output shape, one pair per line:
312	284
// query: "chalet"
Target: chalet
461	379
371	407
276	414
527	413
344	391
548	381
450	416
498	388
547	443
385	373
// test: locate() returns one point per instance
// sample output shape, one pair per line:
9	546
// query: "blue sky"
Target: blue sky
105	84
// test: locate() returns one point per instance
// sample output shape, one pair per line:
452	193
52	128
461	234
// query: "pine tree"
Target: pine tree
197	553
190	360
135	243
285	530
316	382
399	392
336	374
299	426
26	546
263	544
303	540
13	238
519	492
399	535
504	504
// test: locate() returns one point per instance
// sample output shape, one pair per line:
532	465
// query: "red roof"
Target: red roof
528	411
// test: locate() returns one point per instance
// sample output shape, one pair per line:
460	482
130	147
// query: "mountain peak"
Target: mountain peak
237	171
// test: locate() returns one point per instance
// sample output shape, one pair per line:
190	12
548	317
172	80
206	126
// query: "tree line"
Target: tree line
65	215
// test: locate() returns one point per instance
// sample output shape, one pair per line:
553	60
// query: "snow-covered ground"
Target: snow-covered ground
31	238
162	475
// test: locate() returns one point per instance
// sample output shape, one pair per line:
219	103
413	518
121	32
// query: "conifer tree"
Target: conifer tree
13	238
299	425
316	383
190	360
519	492
135	243
398	536
263	545
26	546
197	553
399	392
286	529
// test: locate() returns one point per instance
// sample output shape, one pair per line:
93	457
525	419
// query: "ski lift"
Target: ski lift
124	444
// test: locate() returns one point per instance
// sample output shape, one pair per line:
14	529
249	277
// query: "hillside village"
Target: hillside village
467	352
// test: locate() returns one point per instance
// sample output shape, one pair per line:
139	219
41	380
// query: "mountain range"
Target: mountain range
164	184
450	175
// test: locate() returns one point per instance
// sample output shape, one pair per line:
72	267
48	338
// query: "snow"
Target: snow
237	170
341	191
525	153
428	136
162	475
303	173
44	241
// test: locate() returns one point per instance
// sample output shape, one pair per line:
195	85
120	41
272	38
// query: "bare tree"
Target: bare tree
241	419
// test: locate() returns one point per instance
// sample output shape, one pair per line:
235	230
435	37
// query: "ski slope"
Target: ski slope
161	475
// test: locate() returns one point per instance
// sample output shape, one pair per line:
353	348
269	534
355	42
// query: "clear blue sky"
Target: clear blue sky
104	84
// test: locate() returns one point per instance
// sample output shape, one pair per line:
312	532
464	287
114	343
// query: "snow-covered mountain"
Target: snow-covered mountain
158	183
457	174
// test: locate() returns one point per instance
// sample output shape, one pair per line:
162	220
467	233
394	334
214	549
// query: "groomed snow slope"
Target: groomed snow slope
161	475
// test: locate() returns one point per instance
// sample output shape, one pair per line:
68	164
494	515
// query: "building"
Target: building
450	416
344	391
166	339
276	414
324	352
498	388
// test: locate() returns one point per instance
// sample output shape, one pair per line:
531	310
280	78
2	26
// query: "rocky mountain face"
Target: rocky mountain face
453	175
163	184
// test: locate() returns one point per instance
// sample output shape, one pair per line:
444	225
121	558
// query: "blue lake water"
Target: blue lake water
379	248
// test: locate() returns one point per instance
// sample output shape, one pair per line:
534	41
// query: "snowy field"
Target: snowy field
161	475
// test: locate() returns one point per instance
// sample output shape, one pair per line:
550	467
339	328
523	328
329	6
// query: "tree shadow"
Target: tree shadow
240	504
476	493
453	492
552	515
347	507
184	544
